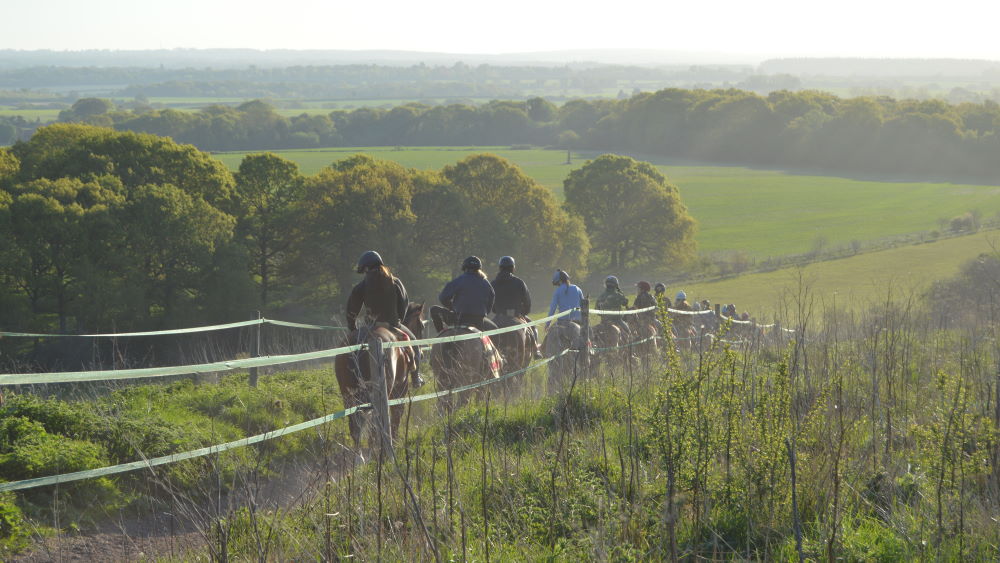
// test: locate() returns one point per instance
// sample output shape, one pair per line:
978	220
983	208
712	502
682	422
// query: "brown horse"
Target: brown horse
516	347
560	336
462	363
607	337
354	371
648	331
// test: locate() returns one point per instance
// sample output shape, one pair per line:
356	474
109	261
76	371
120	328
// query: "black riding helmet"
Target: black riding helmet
472	264
369	259
507	262
660	288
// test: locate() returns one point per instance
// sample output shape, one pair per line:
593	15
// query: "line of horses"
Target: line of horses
473	360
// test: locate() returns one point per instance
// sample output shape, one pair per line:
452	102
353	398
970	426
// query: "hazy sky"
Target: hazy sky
960	28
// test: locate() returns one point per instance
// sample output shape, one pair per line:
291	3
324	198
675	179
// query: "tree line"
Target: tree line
807	129
105	231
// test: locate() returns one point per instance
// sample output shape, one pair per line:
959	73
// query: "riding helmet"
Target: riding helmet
507	262
681	296
559	277
643	285
611	281
471	264
369	259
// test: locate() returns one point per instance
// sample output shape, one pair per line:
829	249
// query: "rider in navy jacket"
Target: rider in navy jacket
469	297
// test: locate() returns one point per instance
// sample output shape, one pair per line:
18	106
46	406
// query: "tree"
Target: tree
267	186
355	205
81	151
516	207
57	231
633	215
169	240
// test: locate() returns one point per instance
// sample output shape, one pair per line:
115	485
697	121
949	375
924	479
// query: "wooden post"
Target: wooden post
256	353
585	335
379	395
718	311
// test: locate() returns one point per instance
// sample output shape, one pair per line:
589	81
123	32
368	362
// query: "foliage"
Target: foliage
633	215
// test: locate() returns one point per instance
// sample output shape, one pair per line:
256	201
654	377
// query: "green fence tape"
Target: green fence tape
474	335
77	376
218	448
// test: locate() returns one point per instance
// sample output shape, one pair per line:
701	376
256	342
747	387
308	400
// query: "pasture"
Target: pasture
849	283
762	213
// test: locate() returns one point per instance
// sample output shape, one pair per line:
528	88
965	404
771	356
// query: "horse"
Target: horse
647	332
516	348
354	371
607	336
462	363
560	336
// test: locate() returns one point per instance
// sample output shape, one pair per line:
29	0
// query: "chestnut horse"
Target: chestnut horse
516	347
354	371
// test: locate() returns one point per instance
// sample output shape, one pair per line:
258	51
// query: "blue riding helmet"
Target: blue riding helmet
369	259
507	262
472	263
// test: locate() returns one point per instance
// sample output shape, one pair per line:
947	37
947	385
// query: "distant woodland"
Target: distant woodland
928	139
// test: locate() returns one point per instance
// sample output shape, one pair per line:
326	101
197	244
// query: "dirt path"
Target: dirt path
183	535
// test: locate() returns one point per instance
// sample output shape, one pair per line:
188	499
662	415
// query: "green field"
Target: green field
854	282
43	115
763	213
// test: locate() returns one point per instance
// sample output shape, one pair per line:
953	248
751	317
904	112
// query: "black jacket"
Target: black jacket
386	305
512	293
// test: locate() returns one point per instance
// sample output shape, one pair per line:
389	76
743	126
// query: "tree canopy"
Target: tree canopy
633	215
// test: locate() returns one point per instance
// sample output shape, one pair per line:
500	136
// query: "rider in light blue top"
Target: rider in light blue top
567	296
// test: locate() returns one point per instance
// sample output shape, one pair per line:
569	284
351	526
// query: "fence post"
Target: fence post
256	353
585	334
777	333
379	395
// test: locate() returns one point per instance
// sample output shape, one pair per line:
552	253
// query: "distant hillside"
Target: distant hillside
241	58
884	68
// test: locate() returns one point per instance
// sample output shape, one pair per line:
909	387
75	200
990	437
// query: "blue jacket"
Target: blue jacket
564	298
468	294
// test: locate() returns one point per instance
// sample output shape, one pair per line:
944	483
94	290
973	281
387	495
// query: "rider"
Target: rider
644	299
513	299
661	295
682	322
614	300
467	299
565	297
385	298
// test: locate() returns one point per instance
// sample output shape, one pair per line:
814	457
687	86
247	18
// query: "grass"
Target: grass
43	115
856	280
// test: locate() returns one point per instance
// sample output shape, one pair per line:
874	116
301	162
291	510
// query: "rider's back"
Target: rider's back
511	294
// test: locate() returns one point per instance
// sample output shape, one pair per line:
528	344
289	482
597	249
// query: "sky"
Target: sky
762	29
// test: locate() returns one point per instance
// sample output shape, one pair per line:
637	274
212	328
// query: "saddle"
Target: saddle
409	356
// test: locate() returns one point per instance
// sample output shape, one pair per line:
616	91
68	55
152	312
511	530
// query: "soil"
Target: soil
183	536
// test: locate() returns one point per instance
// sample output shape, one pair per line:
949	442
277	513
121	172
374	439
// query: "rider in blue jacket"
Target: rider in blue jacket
566	296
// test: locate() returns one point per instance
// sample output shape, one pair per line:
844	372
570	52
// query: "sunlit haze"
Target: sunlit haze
749	30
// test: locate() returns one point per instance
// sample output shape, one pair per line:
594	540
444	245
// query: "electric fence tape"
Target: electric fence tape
229	365
172	331
243	442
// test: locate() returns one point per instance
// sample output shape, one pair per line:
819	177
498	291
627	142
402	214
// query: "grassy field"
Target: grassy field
853	282
30	114
762	213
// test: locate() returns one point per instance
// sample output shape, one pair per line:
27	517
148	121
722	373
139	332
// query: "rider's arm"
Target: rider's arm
525	299
402	300
493	298
354	303
448	294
